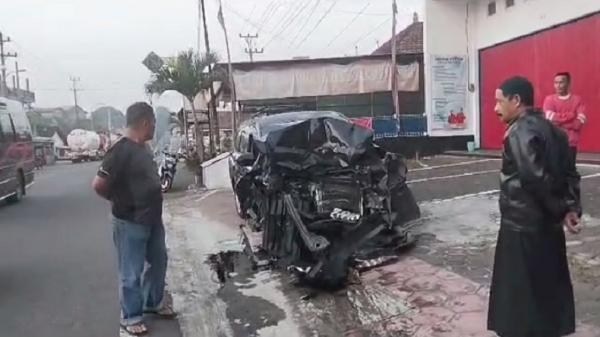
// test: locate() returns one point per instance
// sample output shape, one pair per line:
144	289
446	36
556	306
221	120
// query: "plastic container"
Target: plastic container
471	146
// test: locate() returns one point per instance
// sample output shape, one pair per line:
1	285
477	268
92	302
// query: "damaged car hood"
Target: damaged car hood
313	141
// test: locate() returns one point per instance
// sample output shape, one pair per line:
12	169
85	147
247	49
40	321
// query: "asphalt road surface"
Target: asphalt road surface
57	262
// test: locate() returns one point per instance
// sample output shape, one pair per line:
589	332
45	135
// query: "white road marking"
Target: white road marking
206	195
489	192
589	165
455	164
460	197
593	175
468	174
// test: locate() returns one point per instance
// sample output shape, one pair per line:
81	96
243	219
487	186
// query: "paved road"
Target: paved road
57	265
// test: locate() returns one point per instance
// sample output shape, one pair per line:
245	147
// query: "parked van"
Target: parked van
16	151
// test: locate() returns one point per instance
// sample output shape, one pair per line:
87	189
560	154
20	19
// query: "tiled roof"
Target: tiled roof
408	41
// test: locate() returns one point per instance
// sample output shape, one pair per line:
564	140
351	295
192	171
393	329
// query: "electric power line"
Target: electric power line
252	23
312	12
267	10
289	14
294	17
251	12
364	36
268	15
349	24
366	14
318	23
43	62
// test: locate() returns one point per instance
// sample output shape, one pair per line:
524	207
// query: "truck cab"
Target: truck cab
16	151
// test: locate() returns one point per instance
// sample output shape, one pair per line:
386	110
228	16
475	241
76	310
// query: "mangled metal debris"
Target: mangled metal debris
321	192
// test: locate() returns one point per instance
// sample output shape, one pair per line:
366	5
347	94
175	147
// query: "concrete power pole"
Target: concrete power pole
75	80
3	57
251	50
394	66
212	109
221	18
17	72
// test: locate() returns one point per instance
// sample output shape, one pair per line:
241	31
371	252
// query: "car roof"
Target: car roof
267	123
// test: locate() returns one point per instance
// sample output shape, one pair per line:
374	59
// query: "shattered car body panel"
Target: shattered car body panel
320	191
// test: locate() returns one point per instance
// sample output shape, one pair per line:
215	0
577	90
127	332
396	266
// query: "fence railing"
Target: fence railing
406	126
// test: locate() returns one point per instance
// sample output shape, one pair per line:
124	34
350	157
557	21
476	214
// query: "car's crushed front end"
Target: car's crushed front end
323	194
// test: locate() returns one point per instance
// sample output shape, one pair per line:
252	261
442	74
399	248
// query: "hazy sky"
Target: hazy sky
104	41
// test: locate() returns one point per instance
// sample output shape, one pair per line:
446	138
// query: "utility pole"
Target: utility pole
230	71
75	80
394	67
251	50
212	110
3	57
17	71
109	113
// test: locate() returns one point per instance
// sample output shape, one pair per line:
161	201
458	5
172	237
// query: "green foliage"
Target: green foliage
187	74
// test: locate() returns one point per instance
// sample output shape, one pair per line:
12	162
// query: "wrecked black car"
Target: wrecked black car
321	192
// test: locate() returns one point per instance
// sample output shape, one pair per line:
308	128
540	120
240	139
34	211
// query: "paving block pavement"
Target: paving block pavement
442	303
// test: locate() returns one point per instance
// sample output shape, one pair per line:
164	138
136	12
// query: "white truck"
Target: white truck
85	145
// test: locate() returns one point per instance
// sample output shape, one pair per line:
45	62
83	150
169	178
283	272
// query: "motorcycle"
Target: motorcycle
167	169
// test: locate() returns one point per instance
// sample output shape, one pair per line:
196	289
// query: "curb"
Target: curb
498	155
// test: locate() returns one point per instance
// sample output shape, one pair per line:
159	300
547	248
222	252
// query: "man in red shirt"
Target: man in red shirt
566	110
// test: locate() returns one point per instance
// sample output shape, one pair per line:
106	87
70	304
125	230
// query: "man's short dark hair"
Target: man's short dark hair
566	74
138	112
518	85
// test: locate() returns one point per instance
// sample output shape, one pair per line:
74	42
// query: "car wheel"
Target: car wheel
166	183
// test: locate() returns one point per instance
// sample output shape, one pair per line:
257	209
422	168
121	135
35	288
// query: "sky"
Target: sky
103	42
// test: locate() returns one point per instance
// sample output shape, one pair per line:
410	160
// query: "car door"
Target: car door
7	161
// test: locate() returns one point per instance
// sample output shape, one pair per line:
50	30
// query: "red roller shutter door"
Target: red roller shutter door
572	47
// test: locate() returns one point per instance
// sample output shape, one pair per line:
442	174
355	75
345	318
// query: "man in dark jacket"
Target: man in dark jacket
531	293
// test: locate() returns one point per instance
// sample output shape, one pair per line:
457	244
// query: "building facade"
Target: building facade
498	39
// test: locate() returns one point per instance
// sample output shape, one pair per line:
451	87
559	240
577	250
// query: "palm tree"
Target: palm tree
187	75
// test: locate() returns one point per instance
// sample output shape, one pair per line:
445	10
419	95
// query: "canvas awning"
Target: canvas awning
323	79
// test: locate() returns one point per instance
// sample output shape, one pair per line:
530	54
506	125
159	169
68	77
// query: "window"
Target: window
21	124
510	3
6	128
492	8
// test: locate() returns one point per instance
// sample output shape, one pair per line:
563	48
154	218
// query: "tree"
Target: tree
41	126
100	119
187	75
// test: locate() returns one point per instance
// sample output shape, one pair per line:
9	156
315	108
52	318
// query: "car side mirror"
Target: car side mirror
245	159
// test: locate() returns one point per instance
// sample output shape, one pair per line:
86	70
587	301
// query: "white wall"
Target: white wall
446	22
525	17
445	33
216	173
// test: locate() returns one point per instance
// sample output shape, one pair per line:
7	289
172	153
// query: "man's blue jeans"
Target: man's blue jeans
142	257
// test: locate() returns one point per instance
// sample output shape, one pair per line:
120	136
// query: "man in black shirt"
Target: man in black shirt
128	178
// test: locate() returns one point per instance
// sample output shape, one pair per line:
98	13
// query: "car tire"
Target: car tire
19	192
166	183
